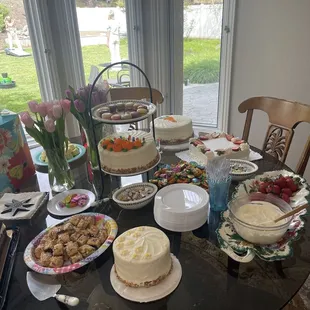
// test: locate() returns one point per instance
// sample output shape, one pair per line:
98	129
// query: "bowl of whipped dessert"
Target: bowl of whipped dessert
254	217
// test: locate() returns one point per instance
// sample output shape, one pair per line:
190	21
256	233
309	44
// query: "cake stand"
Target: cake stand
94	117
148	294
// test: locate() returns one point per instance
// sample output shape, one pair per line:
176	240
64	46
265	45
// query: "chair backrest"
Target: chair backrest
284	116
136	93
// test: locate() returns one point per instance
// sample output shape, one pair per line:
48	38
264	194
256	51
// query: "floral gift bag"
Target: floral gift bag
16	164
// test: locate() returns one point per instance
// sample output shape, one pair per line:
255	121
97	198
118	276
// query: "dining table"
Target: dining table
210	278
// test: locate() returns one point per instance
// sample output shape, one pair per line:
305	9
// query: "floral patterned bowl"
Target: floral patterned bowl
101	221
243	251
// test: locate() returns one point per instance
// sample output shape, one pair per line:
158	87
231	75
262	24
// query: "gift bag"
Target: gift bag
16	164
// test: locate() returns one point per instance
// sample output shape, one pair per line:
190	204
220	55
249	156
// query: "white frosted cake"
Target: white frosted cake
215	144
173	129
142	256
128	152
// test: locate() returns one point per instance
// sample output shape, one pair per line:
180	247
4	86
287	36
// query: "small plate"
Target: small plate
148	294
54	208
101	221
37	157
247	168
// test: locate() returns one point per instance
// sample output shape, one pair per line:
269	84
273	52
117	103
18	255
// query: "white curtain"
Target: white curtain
56	47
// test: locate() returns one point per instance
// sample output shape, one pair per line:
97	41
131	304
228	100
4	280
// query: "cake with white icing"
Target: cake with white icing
173	129
212	145
128	152
142	256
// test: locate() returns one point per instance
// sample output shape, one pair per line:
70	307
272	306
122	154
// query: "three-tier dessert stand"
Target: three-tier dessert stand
96	121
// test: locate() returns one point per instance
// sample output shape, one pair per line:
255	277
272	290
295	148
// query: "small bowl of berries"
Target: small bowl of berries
282	186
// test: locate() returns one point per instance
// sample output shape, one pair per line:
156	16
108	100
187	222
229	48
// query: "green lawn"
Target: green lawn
201	65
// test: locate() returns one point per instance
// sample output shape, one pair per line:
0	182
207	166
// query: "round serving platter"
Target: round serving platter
101	221
97	110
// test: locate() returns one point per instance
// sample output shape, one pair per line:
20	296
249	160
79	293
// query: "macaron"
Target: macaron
129	105
135	106
104	110
106	115
142	111
135	114
126	116
115	117
120	106
112	108
141	106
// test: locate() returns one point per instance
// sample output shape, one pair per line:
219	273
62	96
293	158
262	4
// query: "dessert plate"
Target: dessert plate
55	208
148	294
101	221
181	207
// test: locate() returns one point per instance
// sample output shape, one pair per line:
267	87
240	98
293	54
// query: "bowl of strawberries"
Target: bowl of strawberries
282	186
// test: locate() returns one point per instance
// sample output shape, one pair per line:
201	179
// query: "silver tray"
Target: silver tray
96	116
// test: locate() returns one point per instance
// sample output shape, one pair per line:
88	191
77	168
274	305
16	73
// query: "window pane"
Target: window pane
18	77
102	26
202	48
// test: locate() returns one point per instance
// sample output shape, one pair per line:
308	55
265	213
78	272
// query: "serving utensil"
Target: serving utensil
294	211
43	287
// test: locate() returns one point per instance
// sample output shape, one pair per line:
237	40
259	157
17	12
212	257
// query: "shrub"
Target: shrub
4	11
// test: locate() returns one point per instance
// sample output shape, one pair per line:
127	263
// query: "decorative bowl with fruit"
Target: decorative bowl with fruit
236	246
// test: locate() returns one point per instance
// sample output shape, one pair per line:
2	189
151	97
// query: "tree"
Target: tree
4	11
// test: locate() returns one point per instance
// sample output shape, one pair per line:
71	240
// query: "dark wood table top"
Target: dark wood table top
210	280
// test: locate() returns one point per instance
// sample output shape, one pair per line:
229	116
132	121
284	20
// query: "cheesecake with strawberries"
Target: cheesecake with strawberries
212	145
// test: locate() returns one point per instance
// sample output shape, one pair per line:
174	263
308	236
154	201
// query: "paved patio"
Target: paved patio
200	103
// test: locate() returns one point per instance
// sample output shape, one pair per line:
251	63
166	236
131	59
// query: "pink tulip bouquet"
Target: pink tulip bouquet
48	129
79	108
80	104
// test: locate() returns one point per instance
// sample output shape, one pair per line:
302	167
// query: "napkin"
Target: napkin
36	199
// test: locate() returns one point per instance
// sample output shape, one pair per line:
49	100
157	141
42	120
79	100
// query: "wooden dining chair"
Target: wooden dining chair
137	93
284	116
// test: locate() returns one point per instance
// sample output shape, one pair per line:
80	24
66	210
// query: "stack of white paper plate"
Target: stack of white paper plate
181	207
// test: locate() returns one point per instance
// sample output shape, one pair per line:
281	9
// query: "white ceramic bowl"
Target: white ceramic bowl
137	204
181	207
249	167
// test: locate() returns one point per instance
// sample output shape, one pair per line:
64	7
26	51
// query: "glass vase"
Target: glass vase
101	130
59	173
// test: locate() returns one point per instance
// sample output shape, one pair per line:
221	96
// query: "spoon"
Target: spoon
288	214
